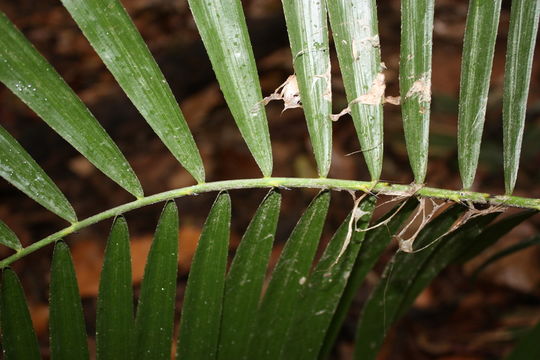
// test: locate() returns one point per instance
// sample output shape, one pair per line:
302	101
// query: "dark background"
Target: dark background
453	319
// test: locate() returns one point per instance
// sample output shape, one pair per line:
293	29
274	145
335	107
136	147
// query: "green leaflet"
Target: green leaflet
379	312
155	312
415	80
115	38
491	234
519	56
376	241
19	169
478	49
288	281
114	319
446	252
18	338
527	347
325	285
535	240
308	35
245	279
66	323
223	29
201	311
356	37
301	311
8	237
407	275
28	75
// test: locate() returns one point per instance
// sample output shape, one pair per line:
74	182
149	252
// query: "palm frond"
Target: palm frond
66	325
415	80
308	35
201	313
115	322
381	309
155	310
18	167
325	284
107	26
231	314
289	278
376	241
18	338
29	76
407	275
522	245
356	38
8	237
244	281
224	32
517	77
493	233
478	49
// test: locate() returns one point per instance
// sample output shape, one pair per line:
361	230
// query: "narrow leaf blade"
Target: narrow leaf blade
66	324
308	35
359	55
446	252
493	233
524	17
244	281
201	311
379	312
478	50
288	280
29	76
18	168
155	312
107	26
325	286
415	80
223	29
18	338
115	322
8	237
376	241
535	240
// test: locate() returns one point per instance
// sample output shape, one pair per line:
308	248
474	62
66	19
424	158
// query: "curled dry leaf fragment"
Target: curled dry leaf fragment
288	92
374	96
394	100
421	88
406	244
327	95
356	214
472	212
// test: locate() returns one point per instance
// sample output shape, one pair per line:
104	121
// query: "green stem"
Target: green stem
321	183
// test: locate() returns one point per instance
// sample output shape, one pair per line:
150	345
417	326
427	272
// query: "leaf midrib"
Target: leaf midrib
285	183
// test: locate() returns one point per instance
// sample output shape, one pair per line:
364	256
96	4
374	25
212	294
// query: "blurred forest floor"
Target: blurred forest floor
453	319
